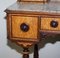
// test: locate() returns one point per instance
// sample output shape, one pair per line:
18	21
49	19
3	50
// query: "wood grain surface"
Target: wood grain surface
45	24
32	22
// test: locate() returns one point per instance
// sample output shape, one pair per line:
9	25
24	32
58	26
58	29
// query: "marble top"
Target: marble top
35	7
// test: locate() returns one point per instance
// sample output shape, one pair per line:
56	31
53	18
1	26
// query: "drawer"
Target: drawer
24	27
50	24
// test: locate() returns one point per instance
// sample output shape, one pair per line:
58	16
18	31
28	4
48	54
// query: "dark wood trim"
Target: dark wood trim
33	13
39	25
44	1
25	53
24	39
50	31
36	54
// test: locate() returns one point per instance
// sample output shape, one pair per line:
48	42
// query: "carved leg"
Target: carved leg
36	51
25	53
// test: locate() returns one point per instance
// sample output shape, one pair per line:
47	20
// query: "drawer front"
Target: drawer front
50	24
24	27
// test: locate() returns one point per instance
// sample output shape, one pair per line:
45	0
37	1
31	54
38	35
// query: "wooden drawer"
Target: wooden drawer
52	24
24	27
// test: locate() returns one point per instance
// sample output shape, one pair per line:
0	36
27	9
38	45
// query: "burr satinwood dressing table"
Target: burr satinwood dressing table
27	19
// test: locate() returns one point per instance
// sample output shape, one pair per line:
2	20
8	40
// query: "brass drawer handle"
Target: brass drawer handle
24	27
54	24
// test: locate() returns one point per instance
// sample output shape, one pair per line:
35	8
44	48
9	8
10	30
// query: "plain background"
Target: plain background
49	48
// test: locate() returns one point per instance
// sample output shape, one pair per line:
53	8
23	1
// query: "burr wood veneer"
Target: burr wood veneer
30	21
46	23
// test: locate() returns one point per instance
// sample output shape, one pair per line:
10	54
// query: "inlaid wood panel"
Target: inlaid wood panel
46	24
32	23
25	44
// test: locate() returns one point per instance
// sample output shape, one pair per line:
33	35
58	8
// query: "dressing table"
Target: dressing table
29	20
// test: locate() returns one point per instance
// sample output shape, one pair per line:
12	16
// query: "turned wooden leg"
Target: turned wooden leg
25	53
36	51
